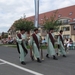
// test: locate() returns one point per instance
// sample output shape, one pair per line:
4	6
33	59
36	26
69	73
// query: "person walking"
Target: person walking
34	45
50	44
61	48
21	45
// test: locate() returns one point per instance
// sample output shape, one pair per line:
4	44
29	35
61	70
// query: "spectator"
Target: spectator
66	41
70	43
44	41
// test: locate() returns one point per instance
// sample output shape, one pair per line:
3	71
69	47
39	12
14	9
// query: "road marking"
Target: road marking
2	63
19	67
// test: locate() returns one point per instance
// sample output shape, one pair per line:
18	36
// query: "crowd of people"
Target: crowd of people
35	52
9	40
68	43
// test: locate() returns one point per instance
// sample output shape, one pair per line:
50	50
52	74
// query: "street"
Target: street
10	64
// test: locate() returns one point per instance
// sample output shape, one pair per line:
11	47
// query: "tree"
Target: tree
51	22
23	23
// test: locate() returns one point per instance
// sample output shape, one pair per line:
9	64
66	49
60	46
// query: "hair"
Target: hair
51	29
22	29
36	29
61	31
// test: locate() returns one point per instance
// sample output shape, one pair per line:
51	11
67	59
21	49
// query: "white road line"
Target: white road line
19	67
2	63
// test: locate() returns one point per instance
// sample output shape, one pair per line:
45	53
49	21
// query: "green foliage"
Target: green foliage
6	36
51	22
23	23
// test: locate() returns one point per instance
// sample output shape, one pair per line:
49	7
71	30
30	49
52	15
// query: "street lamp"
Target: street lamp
36	13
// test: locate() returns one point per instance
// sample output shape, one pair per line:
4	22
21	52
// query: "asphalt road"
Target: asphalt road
10	64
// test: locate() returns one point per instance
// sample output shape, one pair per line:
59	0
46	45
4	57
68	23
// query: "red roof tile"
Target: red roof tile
63	12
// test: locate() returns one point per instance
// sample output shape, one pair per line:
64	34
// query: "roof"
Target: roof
68	12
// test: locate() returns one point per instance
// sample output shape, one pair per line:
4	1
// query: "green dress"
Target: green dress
61	49
19	41
50	47
35	50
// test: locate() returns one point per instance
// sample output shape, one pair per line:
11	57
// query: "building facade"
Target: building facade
65	15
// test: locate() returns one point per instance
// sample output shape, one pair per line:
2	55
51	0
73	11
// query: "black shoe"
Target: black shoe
23	63
64	55
54	57
57	54
32	58
47	55
38	60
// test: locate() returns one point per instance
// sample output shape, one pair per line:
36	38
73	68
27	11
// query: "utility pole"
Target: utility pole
36	23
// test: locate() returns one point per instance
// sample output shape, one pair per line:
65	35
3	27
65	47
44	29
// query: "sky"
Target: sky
12	10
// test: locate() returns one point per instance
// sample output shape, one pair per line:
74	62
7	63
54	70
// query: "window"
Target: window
46	18
59	15
74	19
65	28
68	20
41	19
66	36
73	27
60	22
65	21
70	13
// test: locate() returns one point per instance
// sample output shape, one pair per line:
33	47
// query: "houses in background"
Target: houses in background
65	15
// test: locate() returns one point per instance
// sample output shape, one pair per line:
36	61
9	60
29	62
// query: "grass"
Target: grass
9	45
14	45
